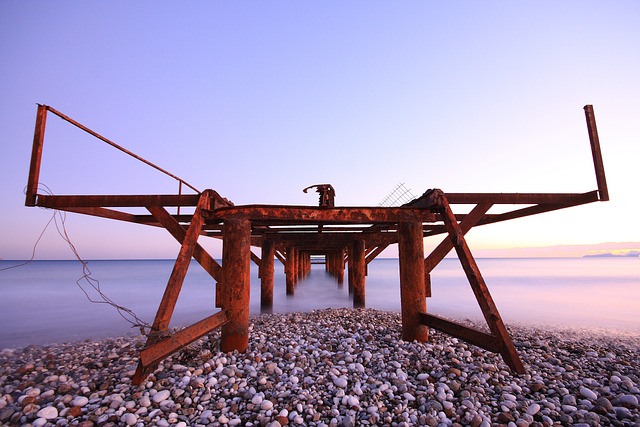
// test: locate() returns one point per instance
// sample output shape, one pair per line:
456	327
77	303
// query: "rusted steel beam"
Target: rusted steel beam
170	297
208	263
480	290
113	214
281	257
236	268
601	178
313	239
470	220
66	201
412	290
256	260
322	230
266	278
589	197
470	335
375	252
36	156
304	214
515	198
359	273
159	350
438	254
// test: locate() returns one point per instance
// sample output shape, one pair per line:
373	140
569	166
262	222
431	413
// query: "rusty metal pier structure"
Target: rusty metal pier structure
347	237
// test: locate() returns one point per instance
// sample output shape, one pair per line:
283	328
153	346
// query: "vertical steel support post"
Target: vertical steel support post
289	271
236	270
601	179
294	266
413	300
302	264
339	261
267	274
350	268
36	156
359	276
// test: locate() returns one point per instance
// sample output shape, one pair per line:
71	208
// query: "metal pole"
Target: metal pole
596	152
36	156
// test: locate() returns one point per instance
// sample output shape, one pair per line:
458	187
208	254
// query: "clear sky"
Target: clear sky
259	99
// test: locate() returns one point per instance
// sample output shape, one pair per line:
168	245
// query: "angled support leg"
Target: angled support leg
480	290
438	254
207	262
174	285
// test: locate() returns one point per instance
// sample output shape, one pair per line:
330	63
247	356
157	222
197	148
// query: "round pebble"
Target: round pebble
329	368
48	413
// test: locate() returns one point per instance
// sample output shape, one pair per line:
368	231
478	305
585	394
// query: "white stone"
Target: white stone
48	413
266	405
79	401
340	382
423	377
409	397
533	409
129	419
162	395
257	399
353	401
588	393
205	415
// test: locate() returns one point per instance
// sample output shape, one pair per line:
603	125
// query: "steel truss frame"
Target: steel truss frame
292	234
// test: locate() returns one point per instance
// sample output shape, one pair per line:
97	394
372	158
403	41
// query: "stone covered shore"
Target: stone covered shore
334	367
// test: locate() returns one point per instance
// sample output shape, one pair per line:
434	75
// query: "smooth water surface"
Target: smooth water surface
41	303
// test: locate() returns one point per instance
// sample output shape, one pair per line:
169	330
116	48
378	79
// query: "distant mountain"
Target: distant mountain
630	254
608	249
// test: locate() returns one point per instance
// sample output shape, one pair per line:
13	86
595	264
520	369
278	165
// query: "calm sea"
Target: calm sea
41	302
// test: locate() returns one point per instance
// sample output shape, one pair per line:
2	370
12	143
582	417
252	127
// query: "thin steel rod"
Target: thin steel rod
124	150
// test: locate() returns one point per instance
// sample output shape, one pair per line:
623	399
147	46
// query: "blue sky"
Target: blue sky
258	100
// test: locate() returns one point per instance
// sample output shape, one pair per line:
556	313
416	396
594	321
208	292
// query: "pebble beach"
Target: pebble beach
333	367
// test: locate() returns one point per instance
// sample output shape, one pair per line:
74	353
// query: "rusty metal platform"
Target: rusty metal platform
345	236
